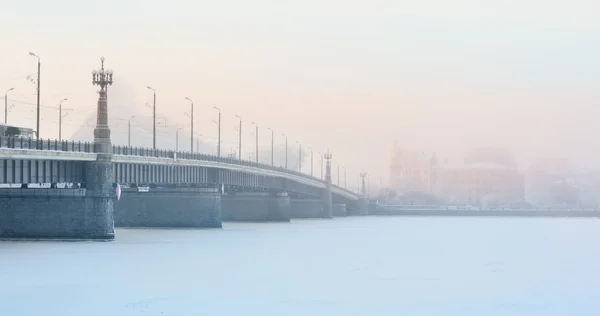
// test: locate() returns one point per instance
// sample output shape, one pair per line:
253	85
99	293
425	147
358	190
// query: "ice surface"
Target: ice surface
345	266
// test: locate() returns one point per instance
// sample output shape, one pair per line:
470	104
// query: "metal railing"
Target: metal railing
45	144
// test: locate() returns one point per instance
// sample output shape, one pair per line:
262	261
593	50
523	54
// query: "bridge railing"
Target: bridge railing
161	153
45	144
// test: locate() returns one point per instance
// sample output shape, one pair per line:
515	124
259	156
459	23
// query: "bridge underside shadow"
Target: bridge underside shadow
169	207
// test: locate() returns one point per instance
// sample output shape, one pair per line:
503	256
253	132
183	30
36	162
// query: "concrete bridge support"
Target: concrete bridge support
326	198
359	207
339	210
256	207
308	208
169	207
372	207
55	214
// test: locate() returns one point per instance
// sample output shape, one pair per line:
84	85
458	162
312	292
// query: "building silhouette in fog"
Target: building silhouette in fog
487	177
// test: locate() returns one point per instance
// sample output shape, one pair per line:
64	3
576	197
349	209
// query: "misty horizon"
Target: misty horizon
440	77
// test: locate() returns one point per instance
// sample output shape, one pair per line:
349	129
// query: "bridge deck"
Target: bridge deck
17	155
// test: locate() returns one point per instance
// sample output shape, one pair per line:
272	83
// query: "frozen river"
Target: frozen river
348	266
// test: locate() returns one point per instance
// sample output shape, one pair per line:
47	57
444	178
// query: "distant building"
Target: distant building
551	182
484	184
411	171
487	177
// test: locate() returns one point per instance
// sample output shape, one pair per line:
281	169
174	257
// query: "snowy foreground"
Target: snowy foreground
350	266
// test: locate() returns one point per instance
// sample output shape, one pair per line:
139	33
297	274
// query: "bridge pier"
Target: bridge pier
169	207
308	208
359	207
256	207
339	210
326	200
54	214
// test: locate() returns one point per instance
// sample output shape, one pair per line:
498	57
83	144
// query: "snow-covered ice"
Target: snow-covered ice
345	266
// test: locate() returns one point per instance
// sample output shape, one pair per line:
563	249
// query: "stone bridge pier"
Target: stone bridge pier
359	207
169	207
256	207
339	210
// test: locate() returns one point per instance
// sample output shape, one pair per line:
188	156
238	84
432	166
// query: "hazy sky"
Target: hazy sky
436	75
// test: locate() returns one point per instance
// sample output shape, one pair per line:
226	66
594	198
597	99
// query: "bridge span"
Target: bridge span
159	188
67	189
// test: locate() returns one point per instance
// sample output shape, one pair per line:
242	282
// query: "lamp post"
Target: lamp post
153	117
328	157
311	161
345	183
299	156
39	66
363	189
219	132
102	78
6	105
240	139
192	124
60	116
286	150
129	130
338	174
256	132
272	146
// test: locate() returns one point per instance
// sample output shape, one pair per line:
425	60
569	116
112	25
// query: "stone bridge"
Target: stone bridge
67	189
48	185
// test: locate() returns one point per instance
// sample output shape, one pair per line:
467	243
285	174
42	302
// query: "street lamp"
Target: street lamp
328	157
153	117
272	146
219	132
240	138
192	124
60	116
299	156
286	150
102	78
363	189
39	66
256	141
311	161
6	105
129	130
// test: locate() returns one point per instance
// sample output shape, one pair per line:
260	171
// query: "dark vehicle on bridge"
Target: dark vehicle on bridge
16	131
